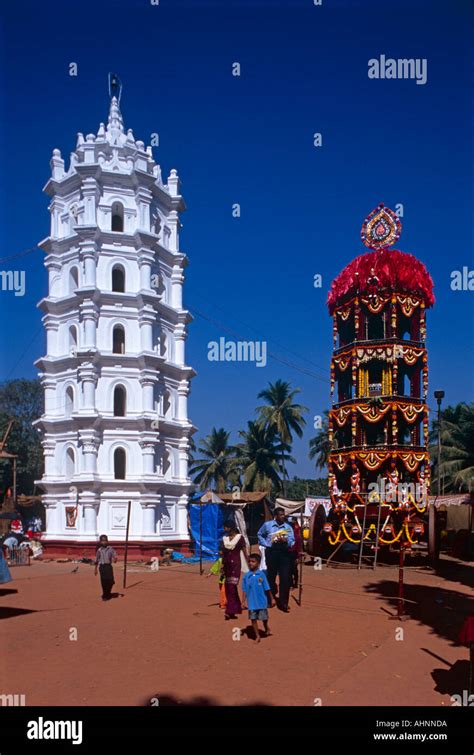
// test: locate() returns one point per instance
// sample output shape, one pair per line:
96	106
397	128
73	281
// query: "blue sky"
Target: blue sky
249	140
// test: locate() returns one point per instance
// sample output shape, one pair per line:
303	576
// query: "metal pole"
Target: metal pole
200	537
439	447
125	559
401	607
439	398
435	554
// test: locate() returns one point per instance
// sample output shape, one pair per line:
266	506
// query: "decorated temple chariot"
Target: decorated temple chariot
378	423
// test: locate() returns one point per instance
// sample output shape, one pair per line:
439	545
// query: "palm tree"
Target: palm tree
258	457
281	414
191	450
319	446
218	465
457	448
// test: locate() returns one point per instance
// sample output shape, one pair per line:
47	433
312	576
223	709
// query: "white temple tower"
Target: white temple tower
115	426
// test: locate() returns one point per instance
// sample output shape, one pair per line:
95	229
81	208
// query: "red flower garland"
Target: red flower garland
395	270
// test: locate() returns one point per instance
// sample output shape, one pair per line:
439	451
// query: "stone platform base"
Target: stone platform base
137	551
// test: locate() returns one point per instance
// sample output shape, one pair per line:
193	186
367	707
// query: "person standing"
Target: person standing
257	595
294	552
277	537
104	558
233	557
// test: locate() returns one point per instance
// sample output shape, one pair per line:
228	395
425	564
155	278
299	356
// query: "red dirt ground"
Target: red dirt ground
166	638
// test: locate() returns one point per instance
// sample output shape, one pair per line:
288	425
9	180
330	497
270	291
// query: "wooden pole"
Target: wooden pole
301	555
125	558
14	482
432	533
471	668
200	538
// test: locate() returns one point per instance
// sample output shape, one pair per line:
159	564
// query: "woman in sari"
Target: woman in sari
234	557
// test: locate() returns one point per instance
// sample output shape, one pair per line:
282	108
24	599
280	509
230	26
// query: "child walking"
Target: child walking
217	569
104	558
257	595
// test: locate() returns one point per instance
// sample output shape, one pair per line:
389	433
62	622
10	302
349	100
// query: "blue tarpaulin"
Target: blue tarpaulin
212	529
177	556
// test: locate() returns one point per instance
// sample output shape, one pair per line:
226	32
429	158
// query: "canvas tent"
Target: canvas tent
290	507
248	510
459	510
205	519
455	516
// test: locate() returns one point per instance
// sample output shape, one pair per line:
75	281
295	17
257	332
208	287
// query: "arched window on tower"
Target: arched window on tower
346	330
120	461
163	344
167	405
118	340
120	401
70	463
117	217
157	399
72	337
404	381
69	401
167	464
156	224
404	327
73	279
118	278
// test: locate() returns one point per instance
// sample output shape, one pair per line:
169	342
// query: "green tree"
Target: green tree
281	415
191	450
217	467
21	400
319	446
457	449
297	488
259	457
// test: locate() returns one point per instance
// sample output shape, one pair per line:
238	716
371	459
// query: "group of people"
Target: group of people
19	538
280	544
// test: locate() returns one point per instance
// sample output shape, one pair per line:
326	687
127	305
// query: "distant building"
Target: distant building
115	426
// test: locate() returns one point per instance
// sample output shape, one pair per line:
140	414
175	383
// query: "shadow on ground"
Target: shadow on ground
9	613
7	591
455	571
443	610
164	701
452	680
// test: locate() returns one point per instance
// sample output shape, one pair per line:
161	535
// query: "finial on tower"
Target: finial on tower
381	228
115	123
115	87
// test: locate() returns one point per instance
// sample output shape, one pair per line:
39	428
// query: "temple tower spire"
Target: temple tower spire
115	426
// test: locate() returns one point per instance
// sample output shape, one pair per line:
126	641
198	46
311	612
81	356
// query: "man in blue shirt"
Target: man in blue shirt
257	595
276	537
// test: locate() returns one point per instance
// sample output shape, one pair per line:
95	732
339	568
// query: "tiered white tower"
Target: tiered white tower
115	425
